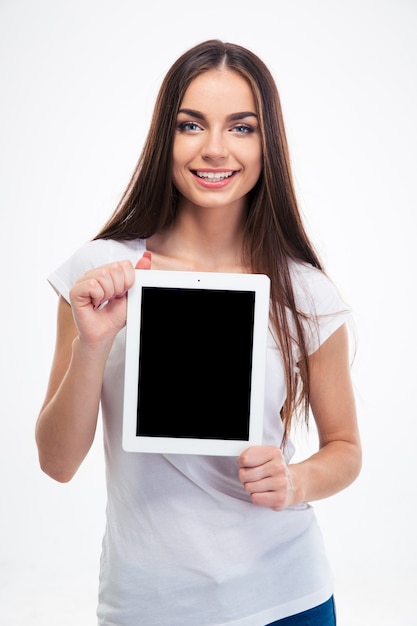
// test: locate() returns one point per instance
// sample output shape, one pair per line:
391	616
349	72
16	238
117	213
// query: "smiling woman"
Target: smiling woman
208	540
217	142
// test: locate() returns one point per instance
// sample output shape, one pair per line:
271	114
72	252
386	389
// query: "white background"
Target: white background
78	81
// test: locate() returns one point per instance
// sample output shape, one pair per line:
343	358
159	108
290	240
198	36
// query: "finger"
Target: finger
87	292
103	284
274	469
264	485
270	492
258	455
266	476
112	281
271	500
144	262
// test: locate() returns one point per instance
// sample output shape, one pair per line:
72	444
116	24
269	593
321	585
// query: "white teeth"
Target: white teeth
214	175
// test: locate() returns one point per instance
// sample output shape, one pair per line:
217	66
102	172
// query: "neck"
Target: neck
205	240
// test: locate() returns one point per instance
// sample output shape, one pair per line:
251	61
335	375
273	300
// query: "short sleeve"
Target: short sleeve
90	255
318	301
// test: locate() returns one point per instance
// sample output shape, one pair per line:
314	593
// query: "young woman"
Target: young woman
198	540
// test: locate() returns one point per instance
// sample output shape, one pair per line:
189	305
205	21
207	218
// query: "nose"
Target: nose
215	146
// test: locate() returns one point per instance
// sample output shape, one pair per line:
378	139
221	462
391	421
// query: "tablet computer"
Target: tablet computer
195	362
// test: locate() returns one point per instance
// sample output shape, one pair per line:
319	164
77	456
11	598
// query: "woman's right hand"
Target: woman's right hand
67	422
98	299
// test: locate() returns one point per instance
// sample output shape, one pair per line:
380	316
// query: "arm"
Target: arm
263	471
67	421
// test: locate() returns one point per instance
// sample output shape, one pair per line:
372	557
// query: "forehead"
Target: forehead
223	89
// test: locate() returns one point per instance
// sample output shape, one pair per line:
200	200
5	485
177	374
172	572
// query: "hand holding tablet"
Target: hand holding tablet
195	362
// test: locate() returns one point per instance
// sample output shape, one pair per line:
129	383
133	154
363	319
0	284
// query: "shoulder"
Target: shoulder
93	254
101	251
314	291
321	308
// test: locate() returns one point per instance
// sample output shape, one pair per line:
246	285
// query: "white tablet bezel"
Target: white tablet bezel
259	284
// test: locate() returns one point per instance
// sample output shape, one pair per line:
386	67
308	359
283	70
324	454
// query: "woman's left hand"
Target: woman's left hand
266	477
337	462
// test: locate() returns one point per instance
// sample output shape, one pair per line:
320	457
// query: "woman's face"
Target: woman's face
217	157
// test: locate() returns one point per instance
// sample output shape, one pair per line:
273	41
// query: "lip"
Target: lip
213	178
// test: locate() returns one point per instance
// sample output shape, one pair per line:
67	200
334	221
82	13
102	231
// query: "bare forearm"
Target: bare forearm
263	469
325	473
67	423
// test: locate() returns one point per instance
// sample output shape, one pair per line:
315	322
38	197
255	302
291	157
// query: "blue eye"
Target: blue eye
188	126
243	128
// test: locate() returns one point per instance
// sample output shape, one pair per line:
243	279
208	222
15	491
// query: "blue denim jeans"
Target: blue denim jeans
322	615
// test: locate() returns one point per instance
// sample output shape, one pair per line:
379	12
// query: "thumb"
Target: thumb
145	262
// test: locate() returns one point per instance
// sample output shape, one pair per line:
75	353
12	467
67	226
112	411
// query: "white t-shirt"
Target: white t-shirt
183	544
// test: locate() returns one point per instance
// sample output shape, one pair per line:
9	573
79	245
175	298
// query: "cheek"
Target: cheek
177	163
180	157
179	179
253	158
182	149
176	181
255	170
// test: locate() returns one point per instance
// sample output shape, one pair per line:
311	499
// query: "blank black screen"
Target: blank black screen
195	363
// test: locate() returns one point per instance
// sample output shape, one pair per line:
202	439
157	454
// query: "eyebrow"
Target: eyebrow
233	117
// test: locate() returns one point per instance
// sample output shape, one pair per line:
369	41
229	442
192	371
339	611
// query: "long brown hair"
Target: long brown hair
274	232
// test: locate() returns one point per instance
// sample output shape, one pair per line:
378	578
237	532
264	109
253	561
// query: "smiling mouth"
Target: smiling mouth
213	176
